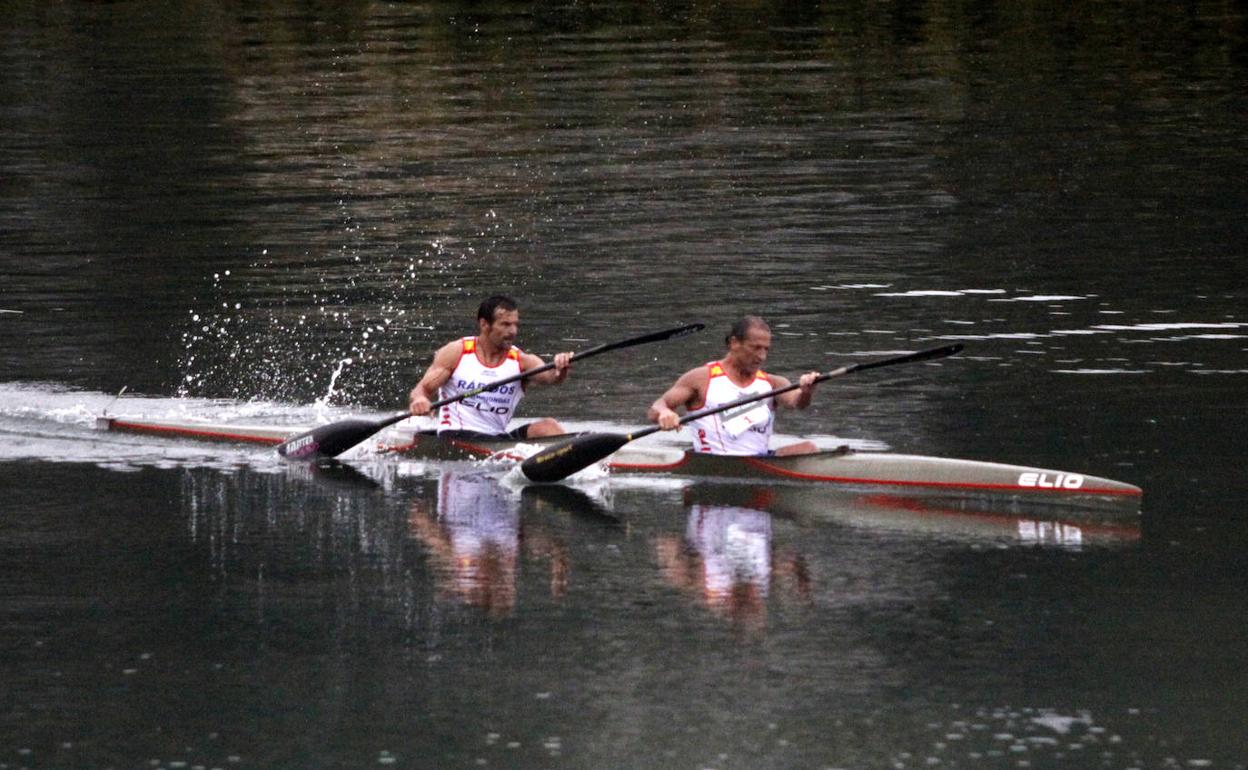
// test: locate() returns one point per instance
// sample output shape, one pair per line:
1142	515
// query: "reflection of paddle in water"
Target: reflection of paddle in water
335	474
474	538
725	558
565	500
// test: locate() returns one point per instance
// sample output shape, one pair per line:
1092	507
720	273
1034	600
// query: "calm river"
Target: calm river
278	211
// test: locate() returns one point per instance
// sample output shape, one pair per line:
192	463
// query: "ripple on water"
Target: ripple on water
1033	736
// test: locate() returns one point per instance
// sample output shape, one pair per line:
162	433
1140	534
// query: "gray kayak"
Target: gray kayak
900	473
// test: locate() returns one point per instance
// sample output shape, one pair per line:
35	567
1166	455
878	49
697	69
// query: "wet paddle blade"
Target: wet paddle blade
557	462
328	440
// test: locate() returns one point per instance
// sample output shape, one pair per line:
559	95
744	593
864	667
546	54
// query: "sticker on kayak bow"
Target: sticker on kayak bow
1041	480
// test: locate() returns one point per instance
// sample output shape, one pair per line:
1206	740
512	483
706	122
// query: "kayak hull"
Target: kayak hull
894	470
897	473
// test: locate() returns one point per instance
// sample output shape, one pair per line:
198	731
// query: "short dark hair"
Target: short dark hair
742	328
491	304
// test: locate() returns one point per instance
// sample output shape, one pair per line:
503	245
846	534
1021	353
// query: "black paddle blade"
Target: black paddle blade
555	463
941	352
669	334
328	440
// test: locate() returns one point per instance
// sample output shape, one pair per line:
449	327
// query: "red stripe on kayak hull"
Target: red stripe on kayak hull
785	473
771	469
160	430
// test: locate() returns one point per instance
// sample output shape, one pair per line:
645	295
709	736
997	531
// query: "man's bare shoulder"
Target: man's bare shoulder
695	377
530	361
450	352
777	381
690	388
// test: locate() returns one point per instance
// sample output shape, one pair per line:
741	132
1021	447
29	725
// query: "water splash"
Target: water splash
54	423
321	404
292	326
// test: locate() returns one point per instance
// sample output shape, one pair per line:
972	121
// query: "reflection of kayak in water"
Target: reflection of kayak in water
899	473
1008	521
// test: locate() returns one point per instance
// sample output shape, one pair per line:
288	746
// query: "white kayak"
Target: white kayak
844	467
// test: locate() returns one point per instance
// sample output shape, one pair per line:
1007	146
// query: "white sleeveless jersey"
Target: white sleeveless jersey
745	430
487	412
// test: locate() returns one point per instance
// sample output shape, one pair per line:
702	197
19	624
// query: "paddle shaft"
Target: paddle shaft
922	355
678	331
562	460
478	391
337	437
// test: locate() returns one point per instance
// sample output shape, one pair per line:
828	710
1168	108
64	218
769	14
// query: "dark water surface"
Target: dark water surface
278	212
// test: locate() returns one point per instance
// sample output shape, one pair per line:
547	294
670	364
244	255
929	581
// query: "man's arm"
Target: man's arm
556	376
688	390
444	362
795	399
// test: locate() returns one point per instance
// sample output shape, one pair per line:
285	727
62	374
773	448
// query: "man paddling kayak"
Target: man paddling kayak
745	430
469	363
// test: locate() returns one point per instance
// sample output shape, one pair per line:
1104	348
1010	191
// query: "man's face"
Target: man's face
751	352
502	331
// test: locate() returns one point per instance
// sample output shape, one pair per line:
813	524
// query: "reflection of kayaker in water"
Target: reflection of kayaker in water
725	557
474	540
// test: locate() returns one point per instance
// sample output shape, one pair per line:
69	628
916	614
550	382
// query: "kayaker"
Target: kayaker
468	363
747	429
